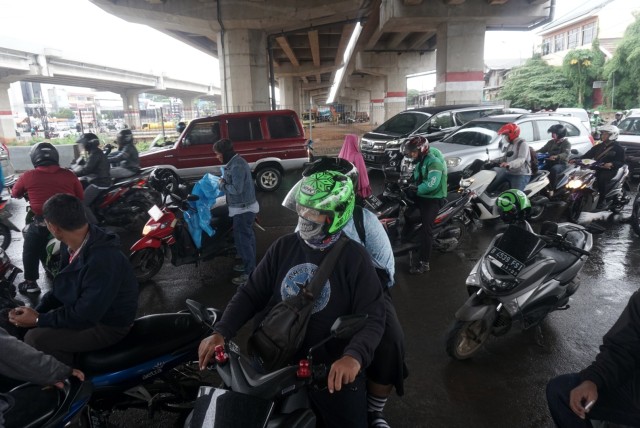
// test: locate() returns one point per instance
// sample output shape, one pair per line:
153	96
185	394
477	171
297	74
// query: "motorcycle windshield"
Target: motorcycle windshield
515	248
220	408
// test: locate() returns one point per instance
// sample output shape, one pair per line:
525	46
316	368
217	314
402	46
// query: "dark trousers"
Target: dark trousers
603	178
554	171
344	408
34	250
245	239
617	406
62	343
428	212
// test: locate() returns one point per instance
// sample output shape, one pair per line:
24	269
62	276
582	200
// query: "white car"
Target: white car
629	138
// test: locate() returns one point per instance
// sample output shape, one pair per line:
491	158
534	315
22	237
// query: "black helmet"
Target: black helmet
340	165
180	127
89	141
559	130
124	137
163	180
44	154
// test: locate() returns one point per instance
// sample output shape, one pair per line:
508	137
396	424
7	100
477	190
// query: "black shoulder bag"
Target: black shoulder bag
282	331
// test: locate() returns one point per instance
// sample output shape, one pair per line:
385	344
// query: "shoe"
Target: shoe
28	287
420	269
377	420
239	267
240	280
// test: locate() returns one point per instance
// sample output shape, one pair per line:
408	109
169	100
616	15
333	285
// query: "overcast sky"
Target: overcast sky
82	30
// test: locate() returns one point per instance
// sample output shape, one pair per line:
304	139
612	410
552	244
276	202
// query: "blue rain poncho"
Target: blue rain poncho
198	219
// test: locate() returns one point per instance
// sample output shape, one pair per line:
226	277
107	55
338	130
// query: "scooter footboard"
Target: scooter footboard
476	308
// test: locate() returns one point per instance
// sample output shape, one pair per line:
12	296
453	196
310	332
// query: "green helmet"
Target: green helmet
329	193
513	205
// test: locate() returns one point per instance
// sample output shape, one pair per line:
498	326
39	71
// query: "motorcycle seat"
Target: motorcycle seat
563	259
540	175
219	216
150	337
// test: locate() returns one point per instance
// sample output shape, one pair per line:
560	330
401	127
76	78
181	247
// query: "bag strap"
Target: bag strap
604	152
358	221
326	266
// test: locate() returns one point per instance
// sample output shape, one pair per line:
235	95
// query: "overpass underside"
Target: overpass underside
300	45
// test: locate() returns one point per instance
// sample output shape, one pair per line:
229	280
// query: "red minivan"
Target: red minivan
272	142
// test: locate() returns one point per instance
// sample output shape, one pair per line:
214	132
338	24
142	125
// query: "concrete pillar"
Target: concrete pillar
7	124
188	107
377	101
460	63
395	96
243	70
131	107
290	94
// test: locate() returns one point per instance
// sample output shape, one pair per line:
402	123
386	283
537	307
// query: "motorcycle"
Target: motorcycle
6	225
8	273
398	212
583	190
635	213
521	277
167	230
277	399
558	194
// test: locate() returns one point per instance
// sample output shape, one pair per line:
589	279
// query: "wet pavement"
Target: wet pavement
502	386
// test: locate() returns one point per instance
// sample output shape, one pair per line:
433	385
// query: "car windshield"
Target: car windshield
630	126
473	136
403	123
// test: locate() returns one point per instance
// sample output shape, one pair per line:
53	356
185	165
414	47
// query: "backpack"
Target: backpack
533	158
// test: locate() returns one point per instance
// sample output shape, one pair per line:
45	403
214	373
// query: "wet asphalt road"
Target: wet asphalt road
503	386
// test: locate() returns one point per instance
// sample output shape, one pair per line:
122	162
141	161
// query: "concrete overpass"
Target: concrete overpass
301	44
51	67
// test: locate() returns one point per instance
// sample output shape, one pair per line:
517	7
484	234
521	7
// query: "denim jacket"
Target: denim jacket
238	183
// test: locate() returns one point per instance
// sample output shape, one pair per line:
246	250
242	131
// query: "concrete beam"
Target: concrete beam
304	70
284	44
412	2
315	47
397	39
318	78
453	2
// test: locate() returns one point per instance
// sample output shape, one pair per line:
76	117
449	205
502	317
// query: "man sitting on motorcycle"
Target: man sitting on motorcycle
559	149
324	203
94	169
40	183
515	165
126	160
430	177
609	156
94	297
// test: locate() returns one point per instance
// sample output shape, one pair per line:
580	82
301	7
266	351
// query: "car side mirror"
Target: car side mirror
575	152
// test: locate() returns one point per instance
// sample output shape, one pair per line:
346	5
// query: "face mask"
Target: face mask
311	231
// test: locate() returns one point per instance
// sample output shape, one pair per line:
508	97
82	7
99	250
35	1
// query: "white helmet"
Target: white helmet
612	130
596	112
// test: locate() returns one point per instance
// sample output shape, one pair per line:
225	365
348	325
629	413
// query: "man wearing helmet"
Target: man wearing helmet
618	119
430	176
515	165
94	169
558	148
514	206
609	156
324	204
126	160
40	183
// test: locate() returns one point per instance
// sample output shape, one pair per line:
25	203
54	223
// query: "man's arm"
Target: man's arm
234	183
566	150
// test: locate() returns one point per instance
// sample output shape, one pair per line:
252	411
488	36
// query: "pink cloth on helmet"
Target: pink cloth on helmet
351	153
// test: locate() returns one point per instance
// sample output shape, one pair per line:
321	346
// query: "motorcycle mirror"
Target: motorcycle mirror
348	325
575	152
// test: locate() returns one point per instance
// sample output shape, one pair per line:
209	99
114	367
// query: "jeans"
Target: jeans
34	250
554	171
429	208
245	239
518	181
615	406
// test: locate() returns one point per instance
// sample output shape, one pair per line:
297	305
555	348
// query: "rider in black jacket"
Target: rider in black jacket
95	168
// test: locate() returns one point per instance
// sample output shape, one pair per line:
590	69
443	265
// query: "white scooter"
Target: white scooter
484	203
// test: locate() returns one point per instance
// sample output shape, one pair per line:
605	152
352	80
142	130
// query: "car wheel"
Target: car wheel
268	178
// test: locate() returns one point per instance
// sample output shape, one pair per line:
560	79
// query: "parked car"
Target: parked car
381	147
8	170
271	141
478	139
630	139
580	113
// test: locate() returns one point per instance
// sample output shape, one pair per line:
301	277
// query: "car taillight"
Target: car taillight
593	141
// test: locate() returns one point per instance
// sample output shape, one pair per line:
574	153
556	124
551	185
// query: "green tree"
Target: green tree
537	85
64	113
412	97
623	69
582	67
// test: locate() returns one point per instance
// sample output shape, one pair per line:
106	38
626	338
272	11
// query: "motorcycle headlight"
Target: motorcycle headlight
148	228
451	162
574	184
495	284
473	279
466	182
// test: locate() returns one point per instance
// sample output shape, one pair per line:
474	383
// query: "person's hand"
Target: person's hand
23	317
75	373
572	161
342	372
607	165
207	348
554	157
581	396
504	165
222	181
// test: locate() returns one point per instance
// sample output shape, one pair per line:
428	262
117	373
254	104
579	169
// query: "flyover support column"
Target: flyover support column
460	63
395	97
377	101
243	70
7	124
131	109
290	94
188	104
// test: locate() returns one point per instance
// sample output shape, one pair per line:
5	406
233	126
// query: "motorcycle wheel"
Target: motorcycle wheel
575	209
140	207
146	263
617	208
458	229
5	236
465	338
635	215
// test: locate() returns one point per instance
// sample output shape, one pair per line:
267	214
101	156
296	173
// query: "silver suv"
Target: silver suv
478	139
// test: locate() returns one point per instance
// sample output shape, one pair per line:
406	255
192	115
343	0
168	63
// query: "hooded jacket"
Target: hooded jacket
431	175
560	148
126	157
350	152
96	168
520	159
98	287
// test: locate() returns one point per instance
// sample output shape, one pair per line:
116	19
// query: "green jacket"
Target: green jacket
431	175
562	149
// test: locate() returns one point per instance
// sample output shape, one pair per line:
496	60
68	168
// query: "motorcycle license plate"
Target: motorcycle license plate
155	212
505	261
217	408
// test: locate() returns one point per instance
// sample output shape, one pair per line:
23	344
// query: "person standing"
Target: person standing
430	176
40	183
350	152
558	148
237	184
